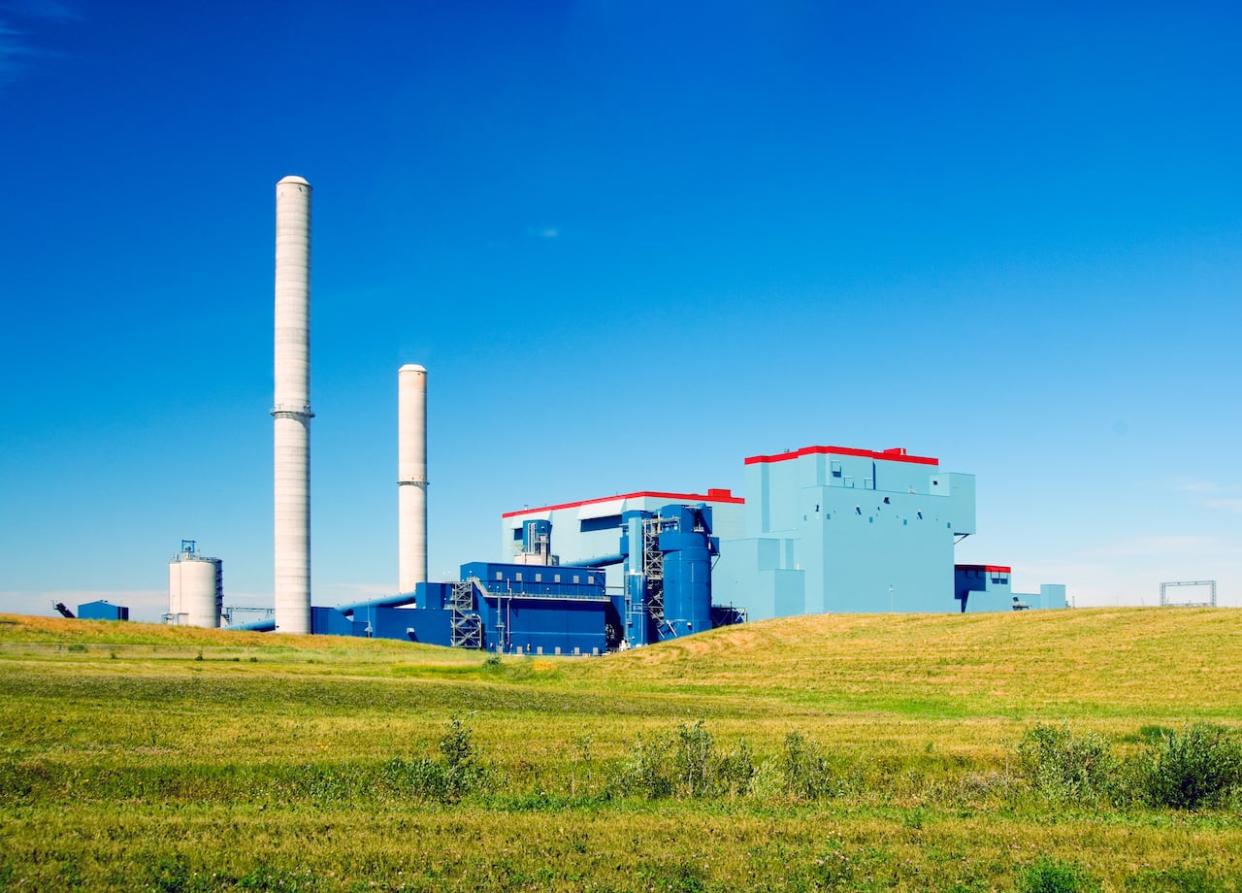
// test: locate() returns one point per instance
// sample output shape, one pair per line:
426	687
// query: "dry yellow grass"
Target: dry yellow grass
241	760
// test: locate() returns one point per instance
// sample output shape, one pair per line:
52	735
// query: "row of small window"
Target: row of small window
577	651
556	578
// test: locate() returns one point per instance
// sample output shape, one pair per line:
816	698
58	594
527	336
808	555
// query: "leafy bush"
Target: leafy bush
805	772
1202	766
1051	876
1066	766
737	770
694	760
645	771
685	763
458	772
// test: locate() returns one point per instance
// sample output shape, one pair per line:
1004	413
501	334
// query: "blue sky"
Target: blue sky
633	243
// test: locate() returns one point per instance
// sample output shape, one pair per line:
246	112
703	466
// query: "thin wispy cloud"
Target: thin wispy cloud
1225	504
19	47
543	232
15	50
52	10
1212	494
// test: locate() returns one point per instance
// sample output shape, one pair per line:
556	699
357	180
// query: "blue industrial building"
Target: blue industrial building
824	529
102	610
536	605
985	587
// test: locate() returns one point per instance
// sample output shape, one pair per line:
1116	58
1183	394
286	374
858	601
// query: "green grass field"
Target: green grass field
139	757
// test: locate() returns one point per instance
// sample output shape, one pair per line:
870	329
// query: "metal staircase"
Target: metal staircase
653	570
466	629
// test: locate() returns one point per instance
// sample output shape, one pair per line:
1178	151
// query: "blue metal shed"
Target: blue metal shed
102	610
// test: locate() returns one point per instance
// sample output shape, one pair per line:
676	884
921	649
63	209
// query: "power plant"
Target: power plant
822	528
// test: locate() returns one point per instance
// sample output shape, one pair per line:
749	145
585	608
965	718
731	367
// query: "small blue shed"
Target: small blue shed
102	610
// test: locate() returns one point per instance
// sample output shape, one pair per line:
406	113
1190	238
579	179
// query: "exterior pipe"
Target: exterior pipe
291	409
597	561
256	626
388	601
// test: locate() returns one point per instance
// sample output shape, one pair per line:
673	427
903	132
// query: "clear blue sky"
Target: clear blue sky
633	243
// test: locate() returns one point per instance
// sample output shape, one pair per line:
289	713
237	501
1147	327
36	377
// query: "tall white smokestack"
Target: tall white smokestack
411	476
291	410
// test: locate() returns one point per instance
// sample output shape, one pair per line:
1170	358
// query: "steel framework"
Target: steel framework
466	625
1177	584
653	570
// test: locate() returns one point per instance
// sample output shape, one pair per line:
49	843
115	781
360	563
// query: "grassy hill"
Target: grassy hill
145	757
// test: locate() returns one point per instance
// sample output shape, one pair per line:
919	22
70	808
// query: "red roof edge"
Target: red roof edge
714	494
990	568
895	454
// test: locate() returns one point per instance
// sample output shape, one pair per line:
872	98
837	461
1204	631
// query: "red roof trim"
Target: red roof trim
896	454
990	568
712	495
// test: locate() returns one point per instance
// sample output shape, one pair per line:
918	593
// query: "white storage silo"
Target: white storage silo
195	588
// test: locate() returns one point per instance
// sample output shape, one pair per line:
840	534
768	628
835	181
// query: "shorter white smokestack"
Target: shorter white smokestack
411	476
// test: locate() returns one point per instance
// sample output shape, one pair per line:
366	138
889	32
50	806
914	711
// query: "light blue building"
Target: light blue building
848	530
822	529
985	587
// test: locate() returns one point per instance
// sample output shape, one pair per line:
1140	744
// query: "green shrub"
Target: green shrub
694	760
1051	876
737	770
1066	766
463	767
1202	766
645	770
805	772
458	772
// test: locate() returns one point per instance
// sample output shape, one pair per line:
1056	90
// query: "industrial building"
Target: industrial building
985	587
195	588
841	529
823	528
102	610
535	605
588	528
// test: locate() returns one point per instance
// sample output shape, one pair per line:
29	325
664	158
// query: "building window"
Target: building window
556	578
538	578
518	576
